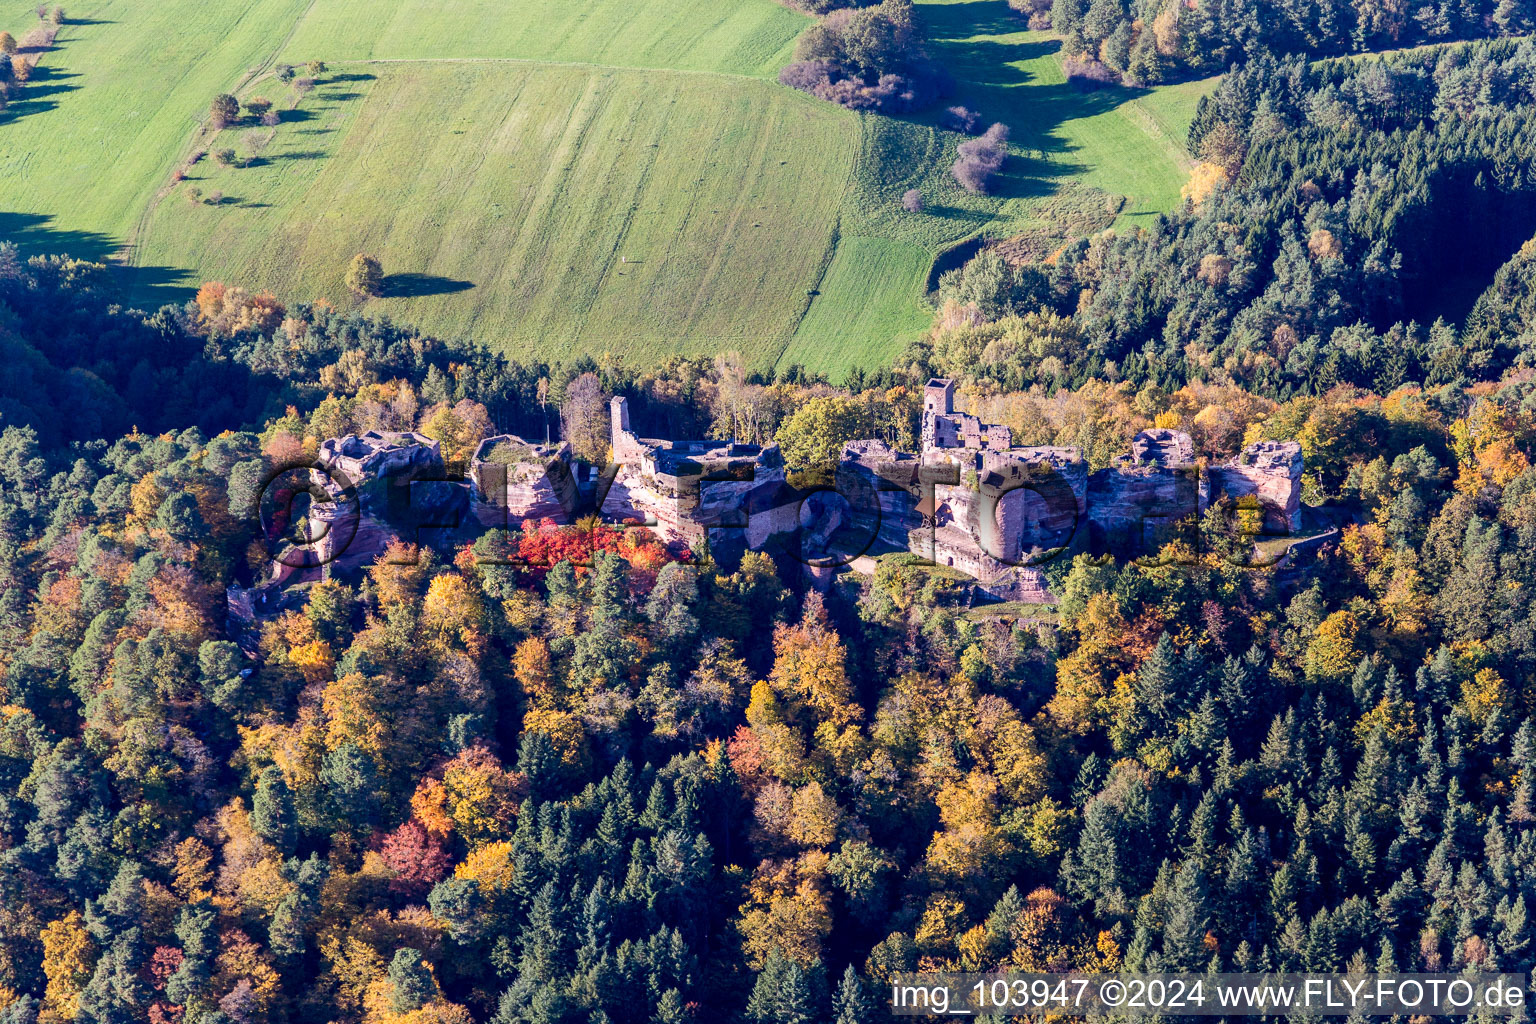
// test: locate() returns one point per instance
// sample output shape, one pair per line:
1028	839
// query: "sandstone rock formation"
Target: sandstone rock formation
513	480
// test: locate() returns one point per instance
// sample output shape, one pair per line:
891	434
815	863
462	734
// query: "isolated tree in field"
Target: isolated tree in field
584	418
7	43
316	68
223	111
258	105
58	16
912	201
20	69
365	277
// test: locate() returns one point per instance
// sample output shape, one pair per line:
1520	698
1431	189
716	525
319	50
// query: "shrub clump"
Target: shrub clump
868	58
1088	74
961	119
980	159
1037	11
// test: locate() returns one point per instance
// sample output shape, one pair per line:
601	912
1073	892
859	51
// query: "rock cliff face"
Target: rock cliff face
997	515
731	496
1266	475
375	488
1137	508
513	480
881	489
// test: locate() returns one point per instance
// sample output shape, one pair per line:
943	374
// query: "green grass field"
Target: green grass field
551	209
554	177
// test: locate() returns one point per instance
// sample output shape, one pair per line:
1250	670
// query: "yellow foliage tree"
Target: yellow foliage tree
69	957
814	816
1486	694
453	613
1084	678
789	908
809	666
533	670
491	865
429	806
1332	654
970	850
1204	181
314	661
481	796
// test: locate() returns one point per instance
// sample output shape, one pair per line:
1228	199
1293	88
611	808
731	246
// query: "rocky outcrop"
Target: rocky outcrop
1266	476
513	480
881	489
969	501
1000	514
1137	507
1164	447
358	460
374	488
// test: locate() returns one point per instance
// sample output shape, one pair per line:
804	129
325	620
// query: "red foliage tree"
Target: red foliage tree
418	860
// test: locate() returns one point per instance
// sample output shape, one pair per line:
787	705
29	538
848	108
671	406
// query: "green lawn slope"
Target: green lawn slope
549	210
555	177
1127	144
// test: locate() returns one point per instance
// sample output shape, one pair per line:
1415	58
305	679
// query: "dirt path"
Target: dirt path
36	43
127	255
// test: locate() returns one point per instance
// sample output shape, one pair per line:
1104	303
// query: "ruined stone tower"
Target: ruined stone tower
938	401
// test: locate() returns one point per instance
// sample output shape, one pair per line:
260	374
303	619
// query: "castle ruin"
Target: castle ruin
722	494
970	499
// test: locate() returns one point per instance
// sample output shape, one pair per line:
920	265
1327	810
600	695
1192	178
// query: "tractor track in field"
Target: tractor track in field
1148	124
536	62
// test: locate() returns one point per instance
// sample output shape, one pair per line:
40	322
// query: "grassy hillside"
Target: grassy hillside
556	177
753	37
1127	144
111	108
548	209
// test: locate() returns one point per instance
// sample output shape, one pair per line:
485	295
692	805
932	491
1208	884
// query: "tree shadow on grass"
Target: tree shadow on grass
31	98
32	234
989	79
400	286
147	287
